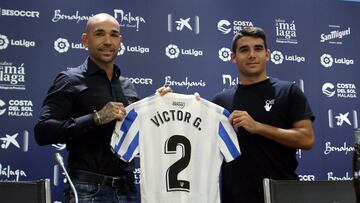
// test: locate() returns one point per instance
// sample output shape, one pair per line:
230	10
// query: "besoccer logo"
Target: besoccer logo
225	54
61	45
122	49
172	51
326	60
4	42
224	26
277	57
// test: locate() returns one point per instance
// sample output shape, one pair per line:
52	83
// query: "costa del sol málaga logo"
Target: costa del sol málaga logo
326	60
4	42
2	107
61	45
328	89
277	57
224	26
225	54
172	51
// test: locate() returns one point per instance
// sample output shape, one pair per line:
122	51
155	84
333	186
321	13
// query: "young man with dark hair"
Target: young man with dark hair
273	118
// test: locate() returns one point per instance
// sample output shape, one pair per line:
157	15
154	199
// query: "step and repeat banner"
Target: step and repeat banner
184	44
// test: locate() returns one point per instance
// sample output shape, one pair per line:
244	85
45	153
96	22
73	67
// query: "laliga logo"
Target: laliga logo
2	107
172	51
326	60
122	49
4	42
224	26
61	45
225	54
328	89
277	57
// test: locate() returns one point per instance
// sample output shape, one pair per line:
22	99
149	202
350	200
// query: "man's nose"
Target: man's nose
107	39
252	54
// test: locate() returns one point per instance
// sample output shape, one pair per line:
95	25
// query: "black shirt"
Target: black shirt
67	117
273	102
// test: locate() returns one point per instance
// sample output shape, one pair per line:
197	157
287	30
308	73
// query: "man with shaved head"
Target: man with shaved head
81	109
102	38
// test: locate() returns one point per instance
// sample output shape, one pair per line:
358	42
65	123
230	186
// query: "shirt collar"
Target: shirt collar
90	68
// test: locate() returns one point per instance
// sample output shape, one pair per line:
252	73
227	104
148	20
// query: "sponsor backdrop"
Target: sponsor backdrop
184	44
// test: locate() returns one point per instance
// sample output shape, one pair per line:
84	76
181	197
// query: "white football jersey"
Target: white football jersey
182	143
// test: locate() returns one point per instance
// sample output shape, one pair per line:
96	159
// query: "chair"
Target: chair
37	191
294	191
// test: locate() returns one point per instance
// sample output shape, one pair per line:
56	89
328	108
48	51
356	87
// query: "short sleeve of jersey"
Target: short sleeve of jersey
125	138
227	138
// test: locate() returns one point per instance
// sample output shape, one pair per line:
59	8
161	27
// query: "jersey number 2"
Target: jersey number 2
172	181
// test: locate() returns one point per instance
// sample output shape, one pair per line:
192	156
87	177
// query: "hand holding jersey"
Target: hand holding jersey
182	142
111	111
116	110
243	119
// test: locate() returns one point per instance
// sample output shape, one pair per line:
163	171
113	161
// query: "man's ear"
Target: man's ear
121	38
84	39
233	55
120	41
268	54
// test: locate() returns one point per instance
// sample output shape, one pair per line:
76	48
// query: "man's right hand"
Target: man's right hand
243	119
111	111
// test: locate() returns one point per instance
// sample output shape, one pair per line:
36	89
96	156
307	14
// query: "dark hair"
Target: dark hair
256	32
